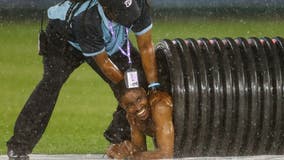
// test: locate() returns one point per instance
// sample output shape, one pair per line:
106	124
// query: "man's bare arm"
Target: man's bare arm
146	48
138	138
109	69
127	149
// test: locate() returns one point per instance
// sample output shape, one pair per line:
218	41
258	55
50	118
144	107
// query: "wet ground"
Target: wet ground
101	156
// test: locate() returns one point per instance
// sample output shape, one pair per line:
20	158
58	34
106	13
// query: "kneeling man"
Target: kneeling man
146	119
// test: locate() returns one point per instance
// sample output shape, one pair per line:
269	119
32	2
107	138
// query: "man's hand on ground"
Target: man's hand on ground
122	150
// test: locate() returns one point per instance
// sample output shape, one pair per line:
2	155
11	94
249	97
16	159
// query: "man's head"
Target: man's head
134	102
124	12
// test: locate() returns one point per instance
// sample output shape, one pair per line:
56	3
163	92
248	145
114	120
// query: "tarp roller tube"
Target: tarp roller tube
228	94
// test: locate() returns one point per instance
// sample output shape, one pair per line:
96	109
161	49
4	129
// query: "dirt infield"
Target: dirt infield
101	156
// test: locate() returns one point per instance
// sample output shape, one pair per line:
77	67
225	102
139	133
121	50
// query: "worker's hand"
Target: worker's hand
122	150
157	96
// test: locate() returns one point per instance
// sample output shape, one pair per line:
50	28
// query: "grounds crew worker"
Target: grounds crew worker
94	32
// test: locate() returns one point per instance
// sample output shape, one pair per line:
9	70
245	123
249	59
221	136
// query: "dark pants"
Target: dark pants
34	117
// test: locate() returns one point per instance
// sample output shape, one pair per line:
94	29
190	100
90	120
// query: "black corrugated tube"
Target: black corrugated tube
228	94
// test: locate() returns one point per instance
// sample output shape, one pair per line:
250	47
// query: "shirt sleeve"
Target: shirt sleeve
144	22
88	32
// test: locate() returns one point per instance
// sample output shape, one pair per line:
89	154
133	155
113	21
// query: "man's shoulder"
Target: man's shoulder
160	109
60	10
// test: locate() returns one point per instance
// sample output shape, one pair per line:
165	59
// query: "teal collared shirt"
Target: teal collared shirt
94	37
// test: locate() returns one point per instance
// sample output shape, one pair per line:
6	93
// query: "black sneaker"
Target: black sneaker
119	129
15	156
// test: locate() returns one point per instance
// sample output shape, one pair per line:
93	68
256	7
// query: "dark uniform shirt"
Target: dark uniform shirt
89	28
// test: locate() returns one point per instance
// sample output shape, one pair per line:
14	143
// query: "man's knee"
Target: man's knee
54	79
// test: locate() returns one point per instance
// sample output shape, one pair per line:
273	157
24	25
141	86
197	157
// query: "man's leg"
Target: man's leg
34	117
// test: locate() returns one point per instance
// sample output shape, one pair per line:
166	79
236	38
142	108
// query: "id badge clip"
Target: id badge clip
131	78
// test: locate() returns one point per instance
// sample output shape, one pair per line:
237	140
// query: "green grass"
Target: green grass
85	105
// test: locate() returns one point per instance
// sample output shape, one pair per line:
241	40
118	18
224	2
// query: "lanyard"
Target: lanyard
127	52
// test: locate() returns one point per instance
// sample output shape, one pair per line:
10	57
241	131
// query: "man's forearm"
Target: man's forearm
109	69
149	64
147	52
